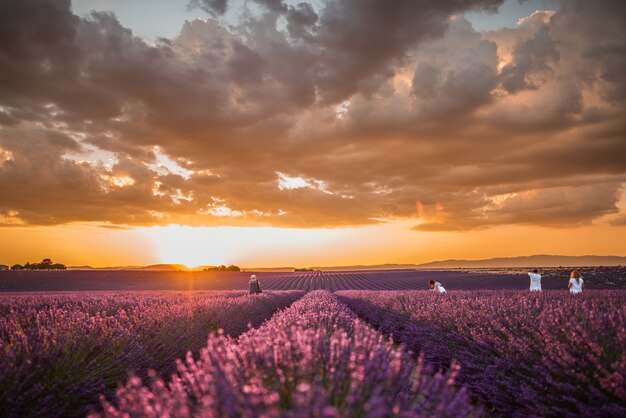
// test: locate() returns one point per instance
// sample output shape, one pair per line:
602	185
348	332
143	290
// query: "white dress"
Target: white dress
576	286
535	282
439	288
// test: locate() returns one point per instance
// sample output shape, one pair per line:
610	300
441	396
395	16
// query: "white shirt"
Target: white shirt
439	288
576	286
535	282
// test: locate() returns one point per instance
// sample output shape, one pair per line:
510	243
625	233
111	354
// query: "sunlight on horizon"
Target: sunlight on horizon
199	246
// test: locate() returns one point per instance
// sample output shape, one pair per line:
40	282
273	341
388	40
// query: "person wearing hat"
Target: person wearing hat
254	285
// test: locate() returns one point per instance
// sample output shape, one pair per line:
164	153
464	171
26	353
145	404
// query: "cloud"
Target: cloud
619	221
213	7
564	206
367	107
533	58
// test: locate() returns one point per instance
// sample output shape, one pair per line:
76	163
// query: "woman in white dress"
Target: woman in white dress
575	283
436	287
535	281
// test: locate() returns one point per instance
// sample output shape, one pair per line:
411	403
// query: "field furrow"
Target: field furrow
314	359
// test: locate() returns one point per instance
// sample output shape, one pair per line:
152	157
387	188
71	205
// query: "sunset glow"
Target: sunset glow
330	132
325	208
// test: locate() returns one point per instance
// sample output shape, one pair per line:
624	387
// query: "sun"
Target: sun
191	247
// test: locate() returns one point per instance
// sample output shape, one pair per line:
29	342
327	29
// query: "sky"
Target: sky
329	132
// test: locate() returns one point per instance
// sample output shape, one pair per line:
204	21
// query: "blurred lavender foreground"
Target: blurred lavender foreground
314	359
60	351
521	354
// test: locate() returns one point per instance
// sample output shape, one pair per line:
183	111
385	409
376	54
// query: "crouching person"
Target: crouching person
436	287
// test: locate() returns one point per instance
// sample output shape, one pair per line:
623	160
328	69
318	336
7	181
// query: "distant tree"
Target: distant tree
303	269
223	268
46	264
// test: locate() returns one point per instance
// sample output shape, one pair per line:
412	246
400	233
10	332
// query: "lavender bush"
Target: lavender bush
59	351
548	354
313	359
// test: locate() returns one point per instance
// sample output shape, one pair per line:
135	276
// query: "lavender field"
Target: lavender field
520	354
554	278
362	353
61	350
312	359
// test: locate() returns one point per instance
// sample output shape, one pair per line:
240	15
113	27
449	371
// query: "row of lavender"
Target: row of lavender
313	359
60	351
548	354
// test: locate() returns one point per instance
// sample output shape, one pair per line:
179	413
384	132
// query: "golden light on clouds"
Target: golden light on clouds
333	131
5	155
121	181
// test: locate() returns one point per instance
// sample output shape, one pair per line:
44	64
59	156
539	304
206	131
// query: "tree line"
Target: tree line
46	264
223	268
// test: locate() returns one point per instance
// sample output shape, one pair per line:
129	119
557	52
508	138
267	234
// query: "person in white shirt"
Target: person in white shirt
535	281
436	287
575	284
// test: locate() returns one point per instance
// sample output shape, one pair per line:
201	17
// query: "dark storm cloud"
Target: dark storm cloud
532	63
347	42
213	7
344	113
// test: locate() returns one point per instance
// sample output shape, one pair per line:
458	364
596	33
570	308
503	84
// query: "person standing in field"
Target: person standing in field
436	287
575	284
255	287
535	281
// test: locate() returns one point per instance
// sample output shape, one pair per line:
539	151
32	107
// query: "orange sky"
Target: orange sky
267	133
272	247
